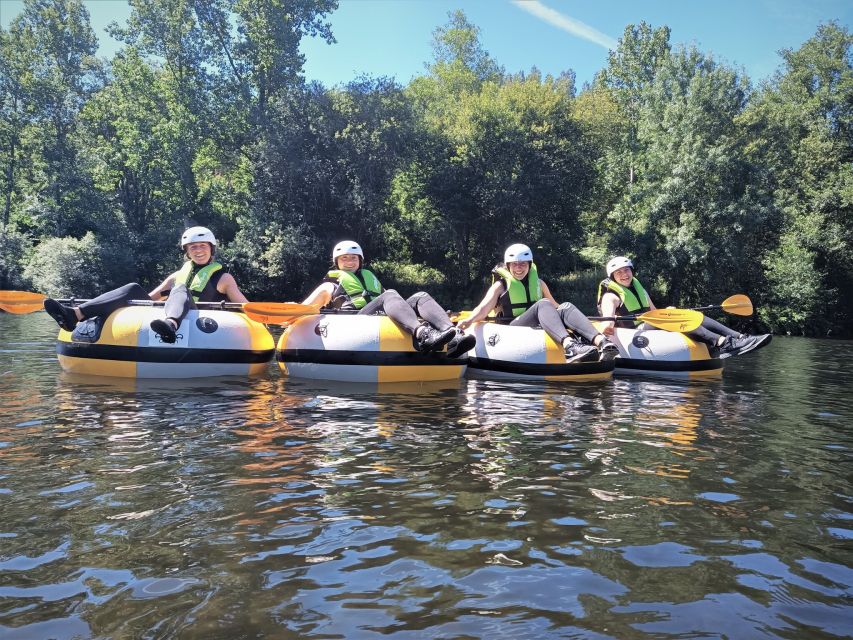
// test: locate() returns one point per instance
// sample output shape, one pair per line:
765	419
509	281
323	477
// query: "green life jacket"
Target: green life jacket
634	298
360	286
521	293
196	281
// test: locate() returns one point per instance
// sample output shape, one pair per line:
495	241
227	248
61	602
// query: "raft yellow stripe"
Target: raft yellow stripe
392	337
421	374
97	367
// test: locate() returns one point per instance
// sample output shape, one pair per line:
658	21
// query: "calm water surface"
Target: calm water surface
274	508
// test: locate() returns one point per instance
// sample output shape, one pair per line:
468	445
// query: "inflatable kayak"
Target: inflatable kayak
355	348
210	343
667	354
505	351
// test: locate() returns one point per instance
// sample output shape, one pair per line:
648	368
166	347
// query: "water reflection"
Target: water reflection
275	507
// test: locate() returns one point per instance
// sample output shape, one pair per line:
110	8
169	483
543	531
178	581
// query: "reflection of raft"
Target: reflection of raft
664	354
358	349
210	343
505	351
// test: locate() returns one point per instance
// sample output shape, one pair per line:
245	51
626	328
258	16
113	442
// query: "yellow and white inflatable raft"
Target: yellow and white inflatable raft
210	343
355	348
505	351
663	354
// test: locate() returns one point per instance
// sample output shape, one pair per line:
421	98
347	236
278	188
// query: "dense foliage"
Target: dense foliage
713	185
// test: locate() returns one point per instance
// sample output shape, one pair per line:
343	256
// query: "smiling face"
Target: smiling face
348	262
623	276
518	269
199	252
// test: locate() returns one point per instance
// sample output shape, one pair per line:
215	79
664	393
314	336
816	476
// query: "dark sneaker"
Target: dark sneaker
608	350
64	316
165	330
734	346
578	352
460	344
427	338
758	342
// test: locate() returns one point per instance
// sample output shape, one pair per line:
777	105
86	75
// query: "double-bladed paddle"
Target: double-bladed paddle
21	302
680	320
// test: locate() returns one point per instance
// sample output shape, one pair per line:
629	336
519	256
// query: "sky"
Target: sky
393	37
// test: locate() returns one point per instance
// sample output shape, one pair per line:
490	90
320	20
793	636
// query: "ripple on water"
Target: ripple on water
273	507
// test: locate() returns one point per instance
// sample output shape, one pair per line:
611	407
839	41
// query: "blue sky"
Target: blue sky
393	37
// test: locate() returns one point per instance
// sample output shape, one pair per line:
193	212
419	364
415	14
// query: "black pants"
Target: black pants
177	304
555	321
710	331
406	312
110	301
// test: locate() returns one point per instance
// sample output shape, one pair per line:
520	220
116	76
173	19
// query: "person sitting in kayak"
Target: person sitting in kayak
351	287
200	279
620	293
517	292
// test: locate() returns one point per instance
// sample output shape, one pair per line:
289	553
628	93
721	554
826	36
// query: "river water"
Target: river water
276	508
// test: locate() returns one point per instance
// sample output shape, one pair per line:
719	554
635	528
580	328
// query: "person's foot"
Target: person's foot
428	338
732	346
608	350
165	329
64	316
760	341
576	351
460	344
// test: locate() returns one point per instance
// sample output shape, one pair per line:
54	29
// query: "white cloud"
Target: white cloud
557	19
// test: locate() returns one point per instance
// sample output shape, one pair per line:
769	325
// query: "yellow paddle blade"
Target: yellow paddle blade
738	304
278	312
460	315
681	320
21	309
21	297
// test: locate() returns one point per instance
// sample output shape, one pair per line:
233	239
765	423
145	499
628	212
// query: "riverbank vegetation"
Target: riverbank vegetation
713	183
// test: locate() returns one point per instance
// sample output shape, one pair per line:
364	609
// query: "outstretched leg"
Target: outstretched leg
103	305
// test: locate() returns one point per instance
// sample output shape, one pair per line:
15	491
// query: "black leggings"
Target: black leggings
406	312
177	304
110	301
555	321
710	331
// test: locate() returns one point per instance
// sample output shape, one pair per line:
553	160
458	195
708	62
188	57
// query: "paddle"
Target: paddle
680	320
278	312
21	302
738	305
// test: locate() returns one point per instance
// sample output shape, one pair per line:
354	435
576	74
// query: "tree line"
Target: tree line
712	184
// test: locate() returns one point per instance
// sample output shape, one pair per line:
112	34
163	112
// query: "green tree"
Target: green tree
52	70
802	129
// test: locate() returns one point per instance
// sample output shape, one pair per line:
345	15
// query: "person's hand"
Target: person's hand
463	324
608	331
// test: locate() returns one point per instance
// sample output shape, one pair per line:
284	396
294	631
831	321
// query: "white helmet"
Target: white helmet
518	253
197	234
617	263
347	246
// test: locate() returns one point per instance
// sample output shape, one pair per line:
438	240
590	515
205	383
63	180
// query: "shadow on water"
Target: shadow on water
286	508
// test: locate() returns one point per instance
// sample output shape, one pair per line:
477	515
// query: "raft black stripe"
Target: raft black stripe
370	358
639	364
161	354
523	368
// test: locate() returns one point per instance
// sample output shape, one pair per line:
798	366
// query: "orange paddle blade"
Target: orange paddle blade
738	304
278	312
21	309
21	297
